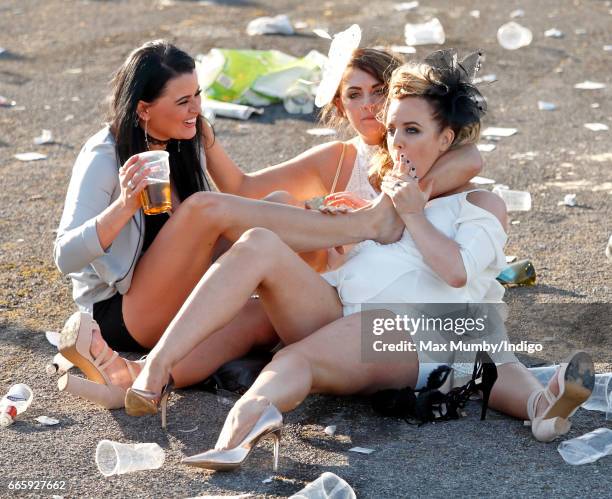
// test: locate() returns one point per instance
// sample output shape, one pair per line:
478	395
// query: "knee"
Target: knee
260	241
205	207
299	362
281	197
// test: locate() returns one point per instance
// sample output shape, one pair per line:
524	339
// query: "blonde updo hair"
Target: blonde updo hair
421	80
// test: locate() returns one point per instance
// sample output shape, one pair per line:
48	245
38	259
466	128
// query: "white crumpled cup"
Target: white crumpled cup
114	458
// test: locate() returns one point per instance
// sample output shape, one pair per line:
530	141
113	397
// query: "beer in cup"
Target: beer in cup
156	197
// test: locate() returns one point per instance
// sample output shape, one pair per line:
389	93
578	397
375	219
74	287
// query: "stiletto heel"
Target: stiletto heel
269	423
143	402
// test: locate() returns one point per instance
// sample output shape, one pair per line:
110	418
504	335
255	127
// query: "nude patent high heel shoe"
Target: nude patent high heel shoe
269	423
576	378
143	402
74	346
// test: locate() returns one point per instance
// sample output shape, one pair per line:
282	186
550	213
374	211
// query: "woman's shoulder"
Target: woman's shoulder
101	142
490	202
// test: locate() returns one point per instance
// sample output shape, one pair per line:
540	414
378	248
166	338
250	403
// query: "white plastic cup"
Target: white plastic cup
114	458
515	200
544	373
429	33
587	448
327	486
299	99
513	36
601	398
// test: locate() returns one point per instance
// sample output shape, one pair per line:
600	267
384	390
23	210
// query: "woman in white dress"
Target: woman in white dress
451	250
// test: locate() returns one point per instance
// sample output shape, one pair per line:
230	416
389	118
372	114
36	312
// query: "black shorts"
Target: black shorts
109	316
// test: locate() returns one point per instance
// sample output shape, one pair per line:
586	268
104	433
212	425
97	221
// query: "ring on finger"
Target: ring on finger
131	185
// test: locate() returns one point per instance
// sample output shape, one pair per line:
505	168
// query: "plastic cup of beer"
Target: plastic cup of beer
156	197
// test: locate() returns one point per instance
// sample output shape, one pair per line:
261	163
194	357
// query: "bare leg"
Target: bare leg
328	361
182	251
296	299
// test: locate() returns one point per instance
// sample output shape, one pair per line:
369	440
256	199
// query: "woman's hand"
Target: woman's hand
133	179
402	186
345	199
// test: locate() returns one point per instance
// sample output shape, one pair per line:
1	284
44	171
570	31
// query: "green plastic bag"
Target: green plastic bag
253	77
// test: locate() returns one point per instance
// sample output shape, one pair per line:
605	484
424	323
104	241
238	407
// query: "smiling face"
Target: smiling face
413	131
361	99
173	114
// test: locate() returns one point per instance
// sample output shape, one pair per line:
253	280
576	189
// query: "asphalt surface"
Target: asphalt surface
553	154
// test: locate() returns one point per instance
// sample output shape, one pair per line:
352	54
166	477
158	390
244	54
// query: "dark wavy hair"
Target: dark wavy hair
144	76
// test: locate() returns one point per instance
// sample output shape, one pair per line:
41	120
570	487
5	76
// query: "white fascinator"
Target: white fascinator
340	51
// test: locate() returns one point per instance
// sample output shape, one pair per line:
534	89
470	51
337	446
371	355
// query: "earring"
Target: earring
136	122
147	135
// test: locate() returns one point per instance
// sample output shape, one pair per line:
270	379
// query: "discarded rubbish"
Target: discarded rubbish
580	31
47	421
4	102
601	398
190	430
482	180
277	25
607	48
30	156
268	480
427	33
493	131
74	71
596	127
517	13
300	25
321	132
490	78
590	85
403	49
511	258
15	402
521	273
475	14
544	373
254	77
330	430
609	249
69	117
486	147
46	137
553	33
59	365
53	337
512	36
515	200
229	110
587	448
515	222
299	98
114	458
322	33
546	106
569	200
361	450
405	6
327	486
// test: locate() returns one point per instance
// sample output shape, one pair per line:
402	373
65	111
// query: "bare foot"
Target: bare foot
389	226
240	421
117	370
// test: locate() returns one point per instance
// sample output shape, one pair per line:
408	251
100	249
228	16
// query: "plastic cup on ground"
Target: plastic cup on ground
515	200
601	398
587	448
327	486
114	458
156	196
513	36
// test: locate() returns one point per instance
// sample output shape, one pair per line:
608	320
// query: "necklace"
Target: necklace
156	142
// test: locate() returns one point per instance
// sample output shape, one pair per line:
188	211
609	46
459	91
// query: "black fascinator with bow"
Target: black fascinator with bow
452	85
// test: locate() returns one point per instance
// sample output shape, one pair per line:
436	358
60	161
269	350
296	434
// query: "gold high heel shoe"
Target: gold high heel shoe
143	402
269	423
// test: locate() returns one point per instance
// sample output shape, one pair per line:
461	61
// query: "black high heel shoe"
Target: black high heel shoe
484	377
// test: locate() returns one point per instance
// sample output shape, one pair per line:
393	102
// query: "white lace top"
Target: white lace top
358	182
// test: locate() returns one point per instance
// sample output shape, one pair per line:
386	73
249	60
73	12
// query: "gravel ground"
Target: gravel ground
552	155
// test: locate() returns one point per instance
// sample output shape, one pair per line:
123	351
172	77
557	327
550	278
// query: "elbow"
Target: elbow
457	280
477	165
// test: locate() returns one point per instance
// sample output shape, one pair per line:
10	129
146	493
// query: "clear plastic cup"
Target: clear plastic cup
114	458
587	448
515	200
601	398
513	36
156	197
327	486
429	33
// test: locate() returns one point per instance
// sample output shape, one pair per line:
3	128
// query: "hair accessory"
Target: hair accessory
340	52
462	103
